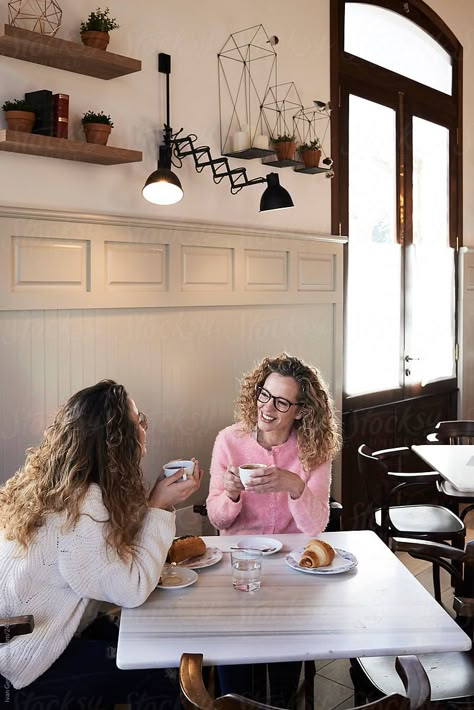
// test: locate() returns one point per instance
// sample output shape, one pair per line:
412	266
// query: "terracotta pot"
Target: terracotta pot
98	40
97	132
311	157
20	120
285	150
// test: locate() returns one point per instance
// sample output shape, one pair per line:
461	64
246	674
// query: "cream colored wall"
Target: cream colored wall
192	34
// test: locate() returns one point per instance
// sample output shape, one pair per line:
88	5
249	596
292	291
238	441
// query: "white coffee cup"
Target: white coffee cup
246	471
171	467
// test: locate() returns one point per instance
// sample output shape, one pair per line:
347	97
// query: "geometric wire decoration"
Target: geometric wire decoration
247	66
37	15
312	125
280	106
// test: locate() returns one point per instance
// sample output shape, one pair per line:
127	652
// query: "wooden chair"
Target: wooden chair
451	675
195	696
454	432
11	626
389	519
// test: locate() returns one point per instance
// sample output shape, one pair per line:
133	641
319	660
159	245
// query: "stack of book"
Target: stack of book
52	113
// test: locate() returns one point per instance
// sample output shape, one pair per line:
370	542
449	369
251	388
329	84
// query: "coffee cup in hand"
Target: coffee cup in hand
246	471
172	467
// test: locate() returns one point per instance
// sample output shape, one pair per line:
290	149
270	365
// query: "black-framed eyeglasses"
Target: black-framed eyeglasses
143	421
280	403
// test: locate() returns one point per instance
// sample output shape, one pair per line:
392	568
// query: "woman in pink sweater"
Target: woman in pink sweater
285	420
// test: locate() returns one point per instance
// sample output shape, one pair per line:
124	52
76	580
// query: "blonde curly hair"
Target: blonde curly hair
317	434
92	439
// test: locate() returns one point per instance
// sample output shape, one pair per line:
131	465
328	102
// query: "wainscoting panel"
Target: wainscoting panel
194	307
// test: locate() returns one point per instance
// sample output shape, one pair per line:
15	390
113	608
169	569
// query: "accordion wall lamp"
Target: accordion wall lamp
163	186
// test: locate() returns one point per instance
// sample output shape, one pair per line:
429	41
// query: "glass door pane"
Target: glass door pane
430	327
373	336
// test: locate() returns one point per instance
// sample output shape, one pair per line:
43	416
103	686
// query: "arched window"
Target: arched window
396	132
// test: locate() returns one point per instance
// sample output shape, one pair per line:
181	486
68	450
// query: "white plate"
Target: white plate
210	557
342	562
260	543
178	578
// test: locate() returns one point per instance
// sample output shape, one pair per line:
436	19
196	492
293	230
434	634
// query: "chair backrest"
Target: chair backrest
456	431
457	562
374	473
196	697
11	626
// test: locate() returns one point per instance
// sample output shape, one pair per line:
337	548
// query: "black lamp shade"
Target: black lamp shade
275	197
163	187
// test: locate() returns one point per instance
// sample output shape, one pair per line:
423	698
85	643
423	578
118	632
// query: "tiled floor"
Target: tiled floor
333	687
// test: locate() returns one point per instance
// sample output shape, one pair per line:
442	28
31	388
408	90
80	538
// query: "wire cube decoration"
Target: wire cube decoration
37	15
312	125
247	66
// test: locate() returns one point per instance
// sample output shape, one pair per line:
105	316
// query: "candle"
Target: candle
240	141
260	141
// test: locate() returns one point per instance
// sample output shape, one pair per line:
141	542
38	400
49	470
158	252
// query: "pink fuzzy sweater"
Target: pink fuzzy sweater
266	513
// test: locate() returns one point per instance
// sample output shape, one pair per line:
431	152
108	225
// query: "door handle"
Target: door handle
409	359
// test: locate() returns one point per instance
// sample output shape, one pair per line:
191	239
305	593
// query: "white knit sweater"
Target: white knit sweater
62	571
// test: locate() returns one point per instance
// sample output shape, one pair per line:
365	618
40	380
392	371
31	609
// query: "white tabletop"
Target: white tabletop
378	608
454	463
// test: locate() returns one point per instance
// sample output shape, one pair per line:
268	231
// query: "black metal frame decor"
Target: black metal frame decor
311	125
247	66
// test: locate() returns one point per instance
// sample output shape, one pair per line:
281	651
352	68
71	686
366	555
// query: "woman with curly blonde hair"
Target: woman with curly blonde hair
285	420
78	527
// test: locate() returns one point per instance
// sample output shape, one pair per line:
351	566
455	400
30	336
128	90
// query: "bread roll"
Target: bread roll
185	547
317	553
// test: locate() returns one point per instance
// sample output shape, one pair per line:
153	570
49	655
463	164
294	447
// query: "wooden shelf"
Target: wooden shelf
48	147
61	54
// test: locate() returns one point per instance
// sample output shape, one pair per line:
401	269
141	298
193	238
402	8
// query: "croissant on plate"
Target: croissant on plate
317	553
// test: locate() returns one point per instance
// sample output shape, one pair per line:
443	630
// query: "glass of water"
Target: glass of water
246	569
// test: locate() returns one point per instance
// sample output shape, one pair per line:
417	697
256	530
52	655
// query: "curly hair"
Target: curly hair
317	434
92	439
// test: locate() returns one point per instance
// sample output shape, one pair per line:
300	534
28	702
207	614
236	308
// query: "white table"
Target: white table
378	608
454	463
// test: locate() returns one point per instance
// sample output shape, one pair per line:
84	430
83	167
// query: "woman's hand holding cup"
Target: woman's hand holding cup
173	489
232	483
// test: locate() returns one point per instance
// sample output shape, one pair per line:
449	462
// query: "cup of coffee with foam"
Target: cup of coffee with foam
172	466
246	471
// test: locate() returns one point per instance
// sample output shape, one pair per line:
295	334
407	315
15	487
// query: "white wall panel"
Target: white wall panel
266	270
136	265
50	263
316	272
181	358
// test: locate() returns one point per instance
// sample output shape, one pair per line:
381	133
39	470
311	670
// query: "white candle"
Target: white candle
240	141
260	141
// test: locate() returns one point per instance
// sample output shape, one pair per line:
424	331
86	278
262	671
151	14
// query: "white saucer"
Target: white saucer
211	557
178	578
342	562
260	543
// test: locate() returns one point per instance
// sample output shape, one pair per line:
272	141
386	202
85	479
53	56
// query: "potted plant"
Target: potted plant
97	127
285	146
95	30
311	153
19	115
